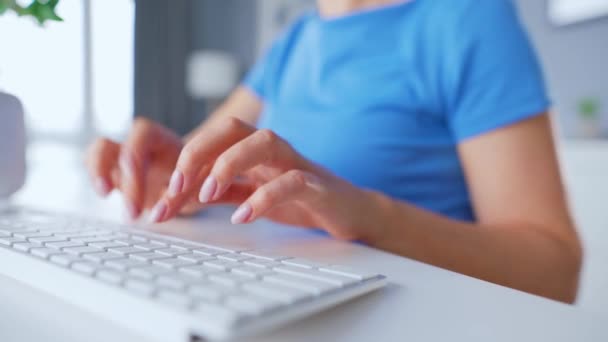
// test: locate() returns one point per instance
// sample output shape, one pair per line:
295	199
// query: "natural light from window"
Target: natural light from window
43	66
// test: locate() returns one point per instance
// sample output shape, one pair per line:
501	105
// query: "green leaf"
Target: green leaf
5	5
41	11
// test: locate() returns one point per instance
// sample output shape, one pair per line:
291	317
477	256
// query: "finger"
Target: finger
133	160
263	147
202	150
292	185
101	159
166	209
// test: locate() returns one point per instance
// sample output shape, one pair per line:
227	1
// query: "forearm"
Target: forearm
520	256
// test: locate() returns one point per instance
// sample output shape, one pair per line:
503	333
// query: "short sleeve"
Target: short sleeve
255	78
497	80
263	74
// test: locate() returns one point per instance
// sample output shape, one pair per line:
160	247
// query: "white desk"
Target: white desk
422	303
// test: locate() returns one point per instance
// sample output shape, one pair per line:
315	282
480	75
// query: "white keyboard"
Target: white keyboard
164	287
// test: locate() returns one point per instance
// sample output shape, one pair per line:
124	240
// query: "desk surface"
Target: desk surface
421	303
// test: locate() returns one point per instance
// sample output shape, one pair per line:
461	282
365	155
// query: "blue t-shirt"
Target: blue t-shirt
382	97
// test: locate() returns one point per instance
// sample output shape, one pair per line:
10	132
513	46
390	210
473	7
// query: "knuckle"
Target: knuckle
268	137
187	155
223	164
298	177
231	123
140	122
97	148
264	197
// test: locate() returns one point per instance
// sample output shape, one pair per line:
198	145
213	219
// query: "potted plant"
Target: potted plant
12	128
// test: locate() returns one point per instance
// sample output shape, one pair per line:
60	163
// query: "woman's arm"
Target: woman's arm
523	238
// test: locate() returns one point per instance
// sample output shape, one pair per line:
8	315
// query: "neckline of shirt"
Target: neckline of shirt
361	14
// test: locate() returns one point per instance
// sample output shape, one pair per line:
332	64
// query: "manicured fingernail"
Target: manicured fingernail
176	183
158	212
102	186
242	214
207	190
126	165
132	209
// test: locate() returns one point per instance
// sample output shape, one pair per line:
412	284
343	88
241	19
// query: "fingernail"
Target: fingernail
126	165
242	214
207	190
158	212
176	183
132	209
102	186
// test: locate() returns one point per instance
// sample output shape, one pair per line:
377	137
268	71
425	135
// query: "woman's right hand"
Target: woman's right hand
140	167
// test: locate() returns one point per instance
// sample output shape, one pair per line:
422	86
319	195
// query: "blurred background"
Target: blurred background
173	61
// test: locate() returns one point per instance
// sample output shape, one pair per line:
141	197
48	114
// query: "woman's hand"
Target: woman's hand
231	161
139	168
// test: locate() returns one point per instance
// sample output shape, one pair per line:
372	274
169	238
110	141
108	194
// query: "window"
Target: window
45	67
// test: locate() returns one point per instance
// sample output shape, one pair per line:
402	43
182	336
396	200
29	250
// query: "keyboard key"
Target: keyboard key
90	239
221	264
85	267
101	256
173	262
138	237
234	257
149	272
27	234
45	239
199	270
177	281
304	284
82	250
209	292
176	299
251	304
105	244
347	272
126	250
127	241
141	287
43	252
229	279
170	282
207	251
170	251
262	263
217	312
252	271
63	244
9	241
110	276
266	255
277	292
72	235
148	256
315	275
64	259
125	264
303	263
148	246
25	246
195	257
182	245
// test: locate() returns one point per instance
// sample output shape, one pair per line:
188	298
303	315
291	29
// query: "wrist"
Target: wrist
371	216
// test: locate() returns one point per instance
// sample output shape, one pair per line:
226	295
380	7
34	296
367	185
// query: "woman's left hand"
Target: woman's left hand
232	162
